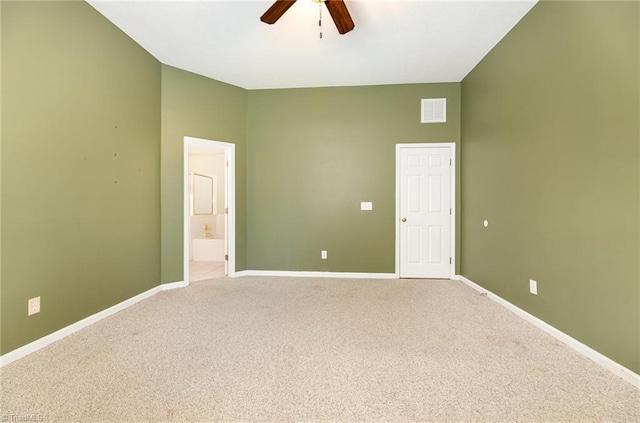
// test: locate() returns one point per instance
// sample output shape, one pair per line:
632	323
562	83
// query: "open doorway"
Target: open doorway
209	209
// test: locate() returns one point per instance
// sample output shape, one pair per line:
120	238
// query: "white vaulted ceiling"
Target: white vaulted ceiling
394	42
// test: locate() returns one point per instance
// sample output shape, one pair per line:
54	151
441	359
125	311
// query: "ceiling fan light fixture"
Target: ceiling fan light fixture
337	9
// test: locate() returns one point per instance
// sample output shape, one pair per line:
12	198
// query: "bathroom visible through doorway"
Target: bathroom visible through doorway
209	211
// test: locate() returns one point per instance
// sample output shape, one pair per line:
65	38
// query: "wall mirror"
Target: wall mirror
203	194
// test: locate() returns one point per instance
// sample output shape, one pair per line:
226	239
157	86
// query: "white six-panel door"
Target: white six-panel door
425	212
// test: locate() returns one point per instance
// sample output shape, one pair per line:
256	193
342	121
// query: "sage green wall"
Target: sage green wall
550	142
0	177
200	107
80	167
315	154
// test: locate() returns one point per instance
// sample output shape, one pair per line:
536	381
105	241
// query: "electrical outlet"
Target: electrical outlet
533	287
323	255
33	306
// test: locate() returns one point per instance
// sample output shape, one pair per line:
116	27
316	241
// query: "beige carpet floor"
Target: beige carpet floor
316	350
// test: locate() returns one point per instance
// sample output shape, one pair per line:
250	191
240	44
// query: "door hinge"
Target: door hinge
449	211
450	162
227	163
449	260
226	210
226	257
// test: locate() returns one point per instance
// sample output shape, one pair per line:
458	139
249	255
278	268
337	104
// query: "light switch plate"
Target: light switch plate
366	205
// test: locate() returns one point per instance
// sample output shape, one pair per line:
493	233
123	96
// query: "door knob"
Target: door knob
404	219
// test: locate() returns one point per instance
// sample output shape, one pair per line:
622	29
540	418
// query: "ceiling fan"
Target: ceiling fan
337	9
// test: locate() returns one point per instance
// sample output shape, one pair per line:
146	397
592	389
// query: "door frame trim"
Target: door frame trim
230	194
452	147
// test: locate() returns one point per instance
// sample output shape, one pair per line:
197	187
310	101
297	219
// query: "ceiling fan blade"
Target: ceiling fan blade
340	15
276	11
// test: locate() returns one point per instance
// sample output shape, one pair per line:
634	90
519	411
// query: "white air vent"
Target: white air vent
434	110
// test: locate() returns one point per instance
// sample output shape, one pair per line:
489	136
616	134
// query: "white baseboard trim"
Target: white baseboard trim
604	361
173	285
38	344
303	274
